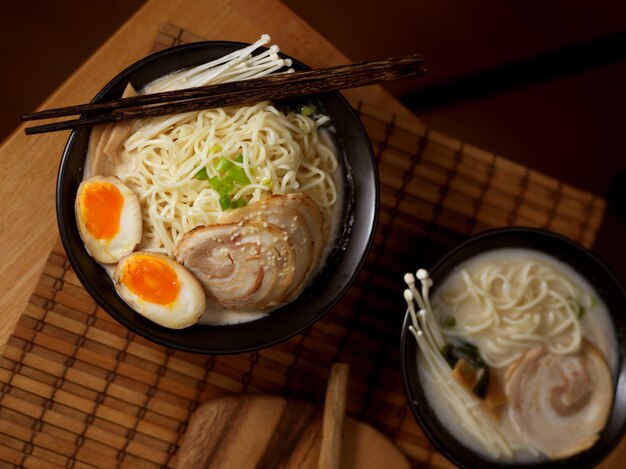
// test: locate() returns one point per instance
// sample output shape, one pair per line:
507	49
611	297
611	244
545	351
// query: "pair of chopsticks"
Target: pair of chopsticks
272	87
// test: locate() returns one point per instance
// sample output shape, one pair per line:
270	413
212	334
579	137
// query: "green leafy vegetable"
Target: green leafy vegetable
448	322
470	353
446	353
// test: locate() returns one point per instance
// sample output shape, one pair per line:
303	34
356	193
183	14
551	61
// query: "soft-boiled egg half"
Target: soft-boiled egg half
109	218
160	289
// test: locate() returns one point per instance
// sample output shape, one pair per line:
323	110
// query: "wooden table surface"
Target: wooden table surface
28	165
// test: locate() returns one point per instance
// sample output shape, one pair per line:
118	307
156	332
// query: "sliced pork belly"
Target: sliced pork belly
311	214
294	227
246	266
560	403
259	256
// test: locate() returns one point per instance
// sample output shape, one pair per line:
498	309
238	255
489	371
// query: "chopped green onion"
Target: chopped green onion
306	110
202	174
223	165
216	183
215	149
232	176
581	311
242	179
228	184
237	174
225	202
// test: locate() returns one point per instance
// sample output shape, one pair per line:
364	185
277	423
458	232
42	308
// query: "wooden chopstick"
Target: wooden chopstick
271	87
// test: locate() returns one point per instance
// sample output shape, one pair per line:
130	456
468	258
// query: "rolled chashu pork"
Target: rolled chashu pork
257	257
560	403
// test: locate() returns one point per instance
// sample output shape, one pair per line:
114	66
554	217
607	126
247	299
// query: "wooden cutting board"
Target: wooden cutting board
272	432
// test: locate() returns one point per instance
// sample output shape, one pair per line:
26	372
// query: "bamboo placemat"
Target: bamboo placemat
78	390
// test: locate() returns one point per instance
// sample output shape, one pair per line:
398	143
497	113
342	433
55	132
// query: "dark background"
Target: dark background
538	82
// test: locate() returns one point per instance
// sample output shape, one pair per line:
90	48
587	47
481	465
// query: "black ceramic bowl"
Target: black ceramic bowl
343	264
606	286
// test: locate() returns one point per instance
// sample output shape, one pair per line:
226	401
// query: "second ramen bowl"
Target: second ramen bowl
323	292
607	288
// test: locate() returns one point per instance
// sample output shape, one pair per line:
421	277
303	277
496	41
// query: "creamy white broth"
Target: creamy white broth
596	327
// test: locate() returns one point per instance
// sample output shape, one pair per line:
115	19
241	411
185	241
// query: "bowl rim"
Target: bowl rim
367	226
455	450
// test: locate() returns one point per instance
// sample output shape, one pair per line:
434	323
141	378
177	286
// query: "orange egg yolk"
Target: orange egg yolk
152	279
102	209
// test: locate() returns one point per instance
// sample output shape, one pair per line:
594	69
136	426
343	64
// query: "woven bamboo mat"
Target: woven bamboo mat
78	390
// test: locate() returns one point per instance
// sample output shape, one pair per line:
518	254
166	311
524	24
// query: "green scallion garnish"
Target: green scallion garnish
231	178
238	203
202	174
225	202
306	110
223	165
